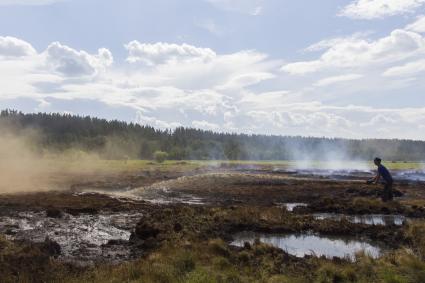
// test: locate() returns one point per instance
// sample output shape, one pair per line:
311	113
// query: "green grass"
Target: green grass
315	164
261	263
171	165
187	257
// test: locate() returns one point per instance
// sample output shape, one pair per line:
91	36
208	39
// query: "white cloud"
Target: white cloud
72	63
352	52
14	47
379	120
244	80
204	70
407	69
337	79
161	53
205	125
265	100
373	9
241	91
29	2
328	43
155	122
317	119
418	25
251	7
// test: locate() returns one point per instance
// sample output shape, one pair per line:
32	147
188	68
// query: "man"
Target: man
387	180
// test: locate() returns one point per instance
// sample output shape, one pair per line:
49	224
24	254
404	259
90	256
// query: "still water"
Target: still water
309	244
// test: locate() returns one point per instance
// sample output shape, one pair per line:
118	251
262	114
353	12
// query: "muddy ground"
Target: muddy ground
112	219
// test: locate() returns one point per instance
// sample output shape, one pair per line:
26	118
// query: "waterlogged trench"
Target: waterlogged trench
301	245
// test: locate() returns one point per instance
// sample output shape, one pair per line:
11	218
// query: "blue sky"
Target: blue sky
351	68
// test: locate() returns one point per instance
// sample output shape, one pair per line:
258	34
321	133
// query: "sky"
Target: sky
334	68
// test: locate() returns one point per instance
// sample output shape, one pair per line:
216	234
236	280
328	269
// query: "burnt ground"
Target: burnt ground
111	219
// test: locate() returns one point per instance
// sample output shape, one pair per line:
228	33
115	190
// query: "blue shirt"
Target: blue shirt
384	173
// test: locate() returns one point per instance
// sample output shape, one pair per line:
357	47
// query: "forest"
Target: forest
121	140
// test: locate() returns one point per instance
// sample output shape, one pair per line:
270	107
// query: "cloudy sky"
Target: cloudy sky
337	68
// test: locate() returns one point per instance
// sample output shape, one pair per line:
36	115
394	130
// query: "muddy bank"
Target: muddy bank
361	206
183	222
82	238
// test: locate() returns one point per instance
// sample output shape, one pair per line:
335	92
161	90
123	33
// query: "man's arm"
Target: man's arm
377	177
374	180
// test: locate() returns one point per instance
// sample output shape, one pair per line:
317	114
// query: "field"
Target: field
212	221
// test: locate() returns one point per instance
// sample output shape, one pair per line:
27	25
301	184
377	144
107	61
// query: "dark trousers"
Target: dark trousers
387	194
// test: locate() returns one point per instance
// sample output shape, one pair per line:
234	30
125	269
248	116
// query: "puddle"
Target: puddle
370	219
309	244
291	205
83	237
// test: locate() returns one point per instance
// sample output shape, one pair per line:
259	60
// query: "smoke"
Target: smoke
326	156
21	168
25	167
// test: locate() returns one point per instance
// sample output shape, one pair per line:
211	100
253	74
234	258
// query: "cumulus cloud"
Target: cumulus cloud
380	119
375	9
201	70
14	47
310	123
72	63
155	122
352	52
161	53
205	125
239	92
317	119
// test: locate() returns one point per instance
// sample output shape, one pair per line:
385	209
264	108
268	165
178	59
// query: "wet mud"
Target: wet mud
126	217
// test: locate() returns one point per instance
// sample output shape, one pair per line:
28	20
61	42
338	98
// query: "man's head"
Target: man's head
377	161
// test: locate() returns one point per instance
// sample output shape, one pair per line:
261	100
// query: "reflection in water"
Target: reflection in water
308	244
369	219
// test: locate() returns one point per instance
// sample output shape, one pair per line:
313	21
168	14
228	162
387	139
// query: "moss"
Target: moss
416	234
221	263
184	262
199	275
219	247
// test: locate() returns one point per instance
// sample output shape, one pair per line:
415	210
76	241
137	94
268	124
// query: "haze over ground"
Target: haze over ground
352	68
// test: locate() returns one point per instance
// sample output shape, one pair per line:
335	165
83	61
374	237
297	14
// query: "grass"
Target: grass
260	263
117	166
316	164
198	254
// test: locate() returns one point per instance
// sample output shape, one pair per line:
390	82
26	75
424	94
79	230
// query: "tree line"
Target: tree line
117	140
